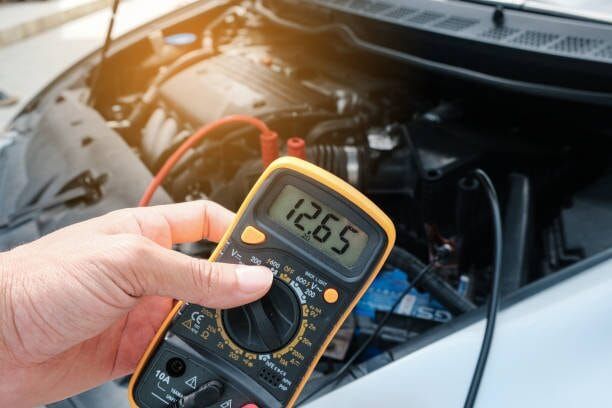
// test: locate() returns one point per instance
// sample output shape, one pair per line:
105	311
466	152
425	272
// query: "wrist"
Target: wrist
24	381
9	386
5	304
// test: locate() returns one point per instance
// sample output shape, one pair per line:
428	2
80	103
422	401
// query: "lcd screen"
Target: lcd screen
321	227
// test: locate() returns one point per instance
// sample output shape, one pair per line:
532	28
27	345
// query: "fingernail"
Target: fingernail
253	279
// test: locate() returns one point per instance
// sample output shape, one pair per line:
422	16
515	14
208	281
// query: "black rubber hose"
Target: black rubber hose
432	283
334	125
518	234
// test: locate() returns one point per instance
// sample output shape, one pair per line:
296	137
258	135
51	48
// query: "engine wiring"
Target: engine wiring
337	376
300	112
265	135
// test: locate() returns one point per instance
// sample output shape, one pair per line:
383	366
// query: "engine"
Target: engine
406	138
335	118
410	152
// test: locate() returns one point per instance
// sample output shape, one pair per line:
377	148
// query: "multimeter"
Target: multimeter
324	242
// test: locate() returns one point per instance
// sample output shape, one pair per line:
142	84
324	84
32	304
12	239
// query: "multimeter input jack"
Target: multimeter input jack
175	367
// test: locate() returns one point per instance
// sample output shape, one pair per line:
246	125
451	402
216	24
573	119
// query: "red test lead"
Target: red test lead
268	140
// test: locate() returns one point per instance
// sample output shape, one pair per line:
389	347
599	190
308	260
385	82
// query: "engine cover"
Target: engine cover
230	84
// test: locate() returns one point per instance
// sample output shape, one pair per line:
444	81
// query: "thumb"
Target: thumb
172	274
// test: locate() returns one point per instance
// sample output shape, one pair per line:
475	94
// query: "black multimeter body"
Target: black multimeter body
263	353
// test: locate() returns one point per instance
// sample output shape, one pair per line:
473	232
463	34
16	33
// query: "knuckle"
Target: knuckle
126	219
198	272
130	250
135	245
206	276
214	277
119	215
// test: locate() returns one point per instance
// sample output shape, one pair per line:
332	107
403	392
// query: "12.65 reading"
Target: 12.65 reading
319	225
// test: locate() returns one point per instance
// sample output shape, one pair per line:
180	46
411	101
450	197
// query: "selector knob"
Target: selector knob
266	325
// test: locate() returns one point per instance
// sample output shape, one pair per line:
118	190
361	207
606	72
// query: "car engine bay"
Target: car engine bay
406	137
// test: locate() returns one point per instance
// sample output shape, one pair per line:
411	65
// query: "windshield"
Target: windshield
600	10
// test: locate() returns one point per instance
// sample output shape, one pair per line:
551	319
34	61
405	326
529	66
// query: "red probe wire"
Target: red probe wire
268	141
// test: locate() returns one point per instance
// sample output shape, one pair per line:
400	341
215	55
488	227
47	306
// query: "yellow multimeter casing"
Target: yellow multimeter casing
325	243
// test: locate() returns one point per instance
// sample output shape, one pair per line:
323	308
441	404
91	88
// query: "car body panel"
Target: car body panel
551	349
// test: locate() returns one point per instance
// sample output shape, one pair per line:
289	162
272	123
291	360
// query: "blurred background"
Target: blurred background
40	39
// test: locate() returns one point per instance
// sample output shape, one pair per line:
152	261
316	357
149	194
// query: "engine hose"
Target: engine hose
323	129
345	162
432	283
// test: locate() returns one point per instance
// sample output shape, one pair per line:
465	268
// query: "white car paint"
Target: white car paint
553	349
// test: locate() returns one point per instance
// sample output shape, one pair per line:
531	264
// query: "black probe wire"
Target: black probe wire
103	54
493	305
532	88
337	376
492	308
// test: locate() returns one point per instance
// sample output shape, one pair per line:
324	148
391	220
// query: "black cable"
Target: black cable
337	376
492	308
493	305
533	88
103	54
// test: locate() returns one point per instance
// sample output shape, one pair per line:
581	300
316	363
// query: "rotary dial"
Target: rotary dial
266	325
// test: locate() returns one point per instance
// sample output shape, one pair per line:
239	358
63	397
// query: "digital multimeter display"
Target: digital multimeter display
318	225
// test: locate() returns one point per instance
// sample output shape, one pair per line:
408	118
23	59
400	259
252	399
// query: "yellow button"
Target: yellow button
252	236
330	295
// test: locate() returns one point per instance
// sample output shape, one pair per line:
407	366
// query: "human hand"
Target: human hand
79	306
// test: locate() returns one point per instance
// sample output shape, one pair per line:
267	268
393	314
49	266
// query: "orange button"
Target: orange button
252	236
330	295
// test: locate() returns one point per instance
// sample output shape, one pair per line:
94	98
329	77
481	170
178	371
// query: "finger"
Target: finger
173	223
164	272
